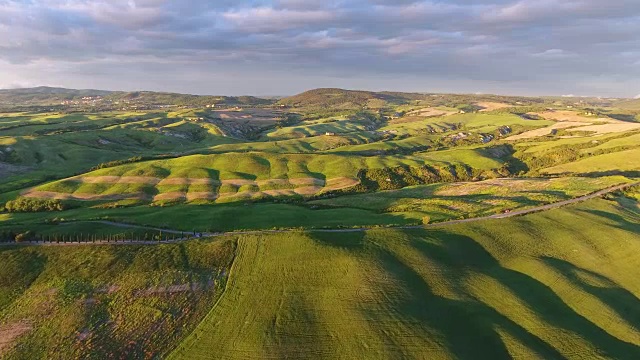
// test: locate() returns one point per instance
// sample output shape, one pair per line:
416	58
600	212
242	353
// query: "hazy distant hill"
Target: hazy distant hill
44	95
347	99
629	104
54	96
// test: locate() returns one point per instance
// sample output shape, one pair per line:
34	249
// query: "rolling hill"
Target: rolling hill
331	224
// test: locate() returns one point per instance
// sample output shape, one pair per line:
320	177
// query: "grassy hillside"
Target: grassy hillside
55	96
106	301
409	206
554	285
228	176
619	162
44	95
35	148
340	99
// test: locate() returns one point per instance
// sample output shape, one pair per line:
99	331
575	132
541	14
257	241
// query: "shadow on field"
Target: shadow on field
469	326
597	174
21	269
623	302
214	174
620	221
350	240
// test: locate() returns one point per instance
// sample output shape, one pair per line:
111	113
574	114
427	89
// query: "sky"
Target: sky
283	47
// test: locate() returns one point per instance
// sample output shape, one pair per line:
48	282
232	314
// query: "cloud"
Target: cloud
267	19
524	46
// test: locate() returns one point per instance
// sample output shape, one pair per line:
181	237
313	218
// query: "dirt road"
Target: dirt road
258	232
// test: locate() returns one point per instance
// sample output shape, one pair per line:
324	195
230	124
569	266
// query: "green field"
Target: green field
558	284
333	224
554	285
618	162
107	301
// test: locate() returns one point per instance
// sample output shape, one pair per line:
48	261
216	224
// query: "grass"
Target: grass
559	284
616	162
442	202
468	122
409	206
59	146
220	217
549	143
632	140
108	301
264	166
334	126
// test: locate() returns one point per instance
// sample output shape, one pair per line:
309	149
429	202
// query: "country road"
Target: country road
361	229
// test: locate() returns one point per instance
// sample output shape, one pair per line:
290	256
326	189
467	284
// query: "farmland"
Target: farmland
500	289
330	222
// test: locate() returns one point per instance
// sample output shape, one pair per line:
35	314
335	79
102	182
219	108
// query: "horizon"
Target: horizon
267	47
311	89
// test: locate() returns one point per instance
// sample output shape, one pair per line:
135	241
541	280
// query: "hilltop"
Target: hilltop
347	99
49	96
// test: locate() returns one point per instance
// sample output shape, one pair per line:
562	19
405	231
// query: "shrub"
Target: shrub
34	205
25	236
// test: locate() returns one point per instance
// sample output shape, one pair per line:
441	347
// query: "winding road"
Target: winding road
361	229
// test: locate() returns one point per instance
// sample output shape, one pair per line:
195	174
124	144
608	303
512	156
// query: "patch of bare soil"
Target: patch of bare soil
341	183
514	185
574	116
609	128
174	289
421	114
81	197
259	115
280	192
174	195
201	196
189	181
307	181
118	180
238	182
490	106
9	334
308	190
272	182
545	131
429	112
300	186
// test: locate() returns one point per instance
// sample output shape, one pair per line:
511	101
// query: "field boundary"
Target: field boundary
201	235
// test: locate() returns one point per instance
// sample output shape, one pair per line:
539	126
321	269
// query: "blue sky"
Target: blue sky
281	47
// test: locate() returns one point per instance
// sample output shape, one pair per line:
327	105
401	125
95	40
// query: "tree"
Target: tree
34	205
25	236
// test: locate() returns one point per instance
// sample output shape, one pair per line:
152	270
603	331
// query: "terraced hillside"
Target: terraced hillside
254	174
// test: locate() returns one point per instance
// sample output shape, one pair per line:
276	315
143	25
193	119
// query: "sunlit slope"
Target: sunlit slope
37	148
627	161
559	284
250	175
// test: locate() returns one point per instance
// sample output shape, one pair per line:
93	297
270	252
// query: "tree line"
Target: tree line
7	236
34	205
